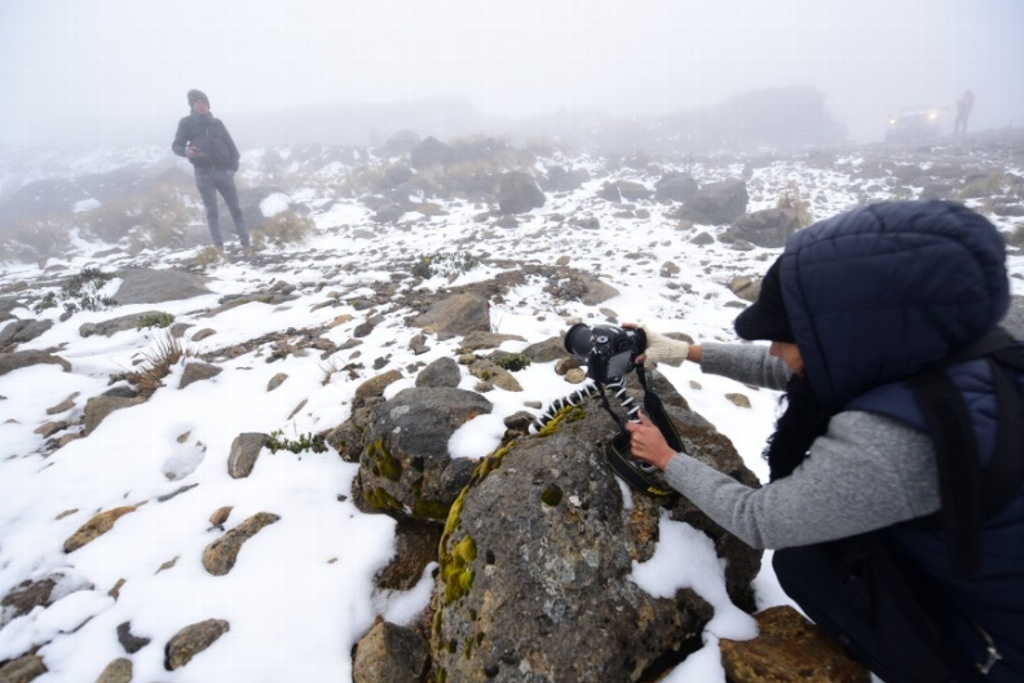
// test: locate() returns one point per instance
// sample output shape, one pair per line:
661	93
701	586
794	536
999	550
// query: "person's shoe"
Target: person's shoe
248	253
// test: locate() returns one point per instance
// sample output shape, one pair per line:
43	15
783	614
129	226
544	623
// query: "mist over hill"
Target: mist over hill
772	117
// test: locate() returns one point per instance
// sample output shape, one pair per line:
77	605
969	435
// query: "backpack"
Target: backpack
907	615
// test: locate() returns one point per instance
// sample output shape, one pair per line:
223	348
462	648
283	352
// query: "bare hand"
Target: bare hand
648	443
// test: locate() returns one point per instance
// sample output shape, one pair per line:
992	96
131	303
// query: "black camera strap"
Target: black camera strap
619	455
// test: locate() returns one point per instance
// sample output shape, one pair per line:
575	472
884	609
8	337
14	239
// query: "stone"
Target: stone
220	556
191	640
390	654
117	671
789	649
245	449
95	527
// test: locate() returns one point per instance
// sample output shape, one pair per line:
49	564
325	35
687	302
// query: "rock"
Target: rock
431	152
718	203
276	381
415	548
390	654
95	527
405	468
133	321
769	228
375	386
245	449
789	649
632	191
99	407
443	372
738	400
220	556
195	372
481	339
24	359
561	179
546	351
131	643
518	192
21	331
675	187
456	316
533	569
191	640
151	286
117	671
220	516
23	669
25	598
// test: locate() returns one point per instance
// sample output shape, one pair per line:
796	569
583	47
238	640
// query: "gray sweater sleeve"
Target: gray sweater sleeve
865	473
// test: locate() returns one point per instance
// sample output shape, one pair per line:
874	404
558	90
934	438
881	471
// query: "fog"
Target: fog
115	72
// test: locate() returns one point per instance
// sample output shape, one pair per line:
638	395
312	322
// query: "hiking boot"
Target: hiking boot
248	253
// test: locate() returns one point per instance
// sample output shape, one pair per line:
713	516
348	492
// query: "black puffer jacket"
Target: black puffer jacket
210	135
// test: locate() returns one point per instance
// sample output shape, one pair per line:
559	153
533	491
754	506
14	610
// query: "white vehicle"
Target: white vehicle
915	123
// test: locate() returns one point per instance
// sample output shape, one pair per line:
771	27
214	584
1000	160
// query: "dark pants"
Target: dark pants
813	576
210	182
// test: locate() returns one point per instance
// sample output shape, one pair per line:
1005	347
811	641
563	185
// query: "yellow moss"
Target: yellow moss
388	467
566	414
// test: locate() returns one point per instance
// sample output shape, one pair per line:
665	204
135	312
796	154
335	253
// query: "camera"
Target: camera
610	351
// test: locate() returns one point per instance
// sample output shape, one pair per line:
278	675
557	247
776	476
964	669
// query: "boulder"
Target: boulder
769	228
718	203
152	286
390	654
518	192
537	552
675	187
789	649
456	316
405	468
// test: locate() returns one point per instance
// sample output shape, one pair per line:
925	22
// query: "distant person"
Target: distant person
963	112
205	142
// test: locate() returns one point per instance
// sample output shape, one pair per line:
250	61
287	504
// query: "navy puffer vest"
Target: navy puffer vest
874	296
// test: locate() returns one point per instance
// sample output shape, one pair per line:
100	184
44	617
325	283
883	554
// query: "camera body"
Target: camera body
610	351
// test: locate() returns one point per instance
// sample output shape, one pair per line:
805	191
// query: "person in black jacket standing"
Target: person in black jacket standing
206	143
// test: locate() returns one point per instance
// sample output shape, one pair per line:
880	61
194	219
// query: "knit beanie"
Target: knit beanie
196	95
766	318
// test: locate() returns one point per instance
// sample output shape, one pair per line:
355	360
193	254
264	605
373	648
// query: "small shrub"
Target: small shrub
284	228
994	184
79	293
444	264
35	241
305	442
513	362
208	256
156	319
157	364
791	200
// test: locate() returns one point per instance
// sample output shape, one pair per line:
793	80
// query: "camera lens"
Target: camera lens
578	340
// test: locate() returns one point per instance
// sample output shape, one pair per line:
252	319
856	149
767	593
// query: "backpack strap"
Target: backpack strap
971	493
913	633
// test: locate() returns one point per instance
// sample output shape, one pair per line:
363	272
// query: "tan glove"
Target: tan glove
662	349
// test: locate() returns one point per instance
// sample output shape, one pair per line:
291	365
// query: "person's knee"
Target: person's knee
789	565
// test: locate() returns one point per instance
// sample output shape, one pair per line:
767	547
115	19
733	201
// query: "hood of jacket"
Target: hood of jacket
875	294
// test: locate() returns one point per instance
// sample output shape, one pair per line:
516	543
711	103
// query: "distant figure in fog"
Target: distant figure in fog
963	112
205	142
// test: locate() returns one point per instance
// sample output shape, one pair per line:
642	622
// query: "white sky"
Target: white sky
66	62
